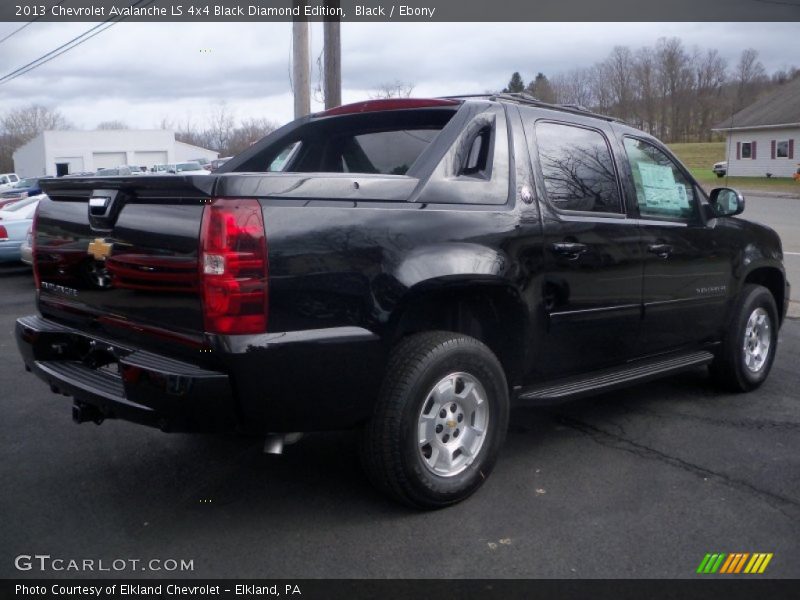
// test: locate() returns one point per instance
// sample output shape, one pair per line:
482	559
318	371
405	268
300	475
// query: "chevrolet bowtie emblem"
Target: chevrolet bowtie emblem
100	249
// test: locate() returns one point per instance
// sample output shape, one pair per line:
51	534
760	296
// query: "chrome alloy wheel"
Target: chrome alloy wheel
452	424
757	340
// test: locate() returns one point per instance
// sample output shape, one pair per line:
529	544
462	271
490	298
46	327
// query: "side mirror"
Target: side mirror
726	202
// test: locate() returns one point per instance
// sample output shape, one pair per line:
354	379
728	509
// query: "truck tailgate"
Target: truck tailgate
123	252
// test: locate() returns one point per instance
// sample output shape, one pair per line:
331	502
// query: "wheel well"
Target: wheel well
772	279
492	314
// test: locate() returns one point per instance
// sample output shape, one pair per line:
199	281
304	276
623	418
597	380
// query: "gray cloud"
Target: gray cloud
141	73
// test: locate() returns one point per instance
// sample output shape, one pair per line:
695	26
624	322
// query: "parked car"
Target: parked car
720	168
23	188
21	209
187	168
26	249
8	201
412	268
15	223
7	180
121	171
217	163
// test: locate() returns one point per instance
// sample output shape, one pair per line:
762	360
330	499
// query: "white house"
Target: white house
64	152
763	137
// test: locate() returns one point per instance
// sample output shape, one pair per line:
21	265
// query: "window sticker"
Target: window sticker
660	188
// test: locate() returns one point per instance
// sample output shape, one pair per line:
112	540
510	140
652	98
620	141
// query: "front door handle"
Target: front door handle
570	250
660	250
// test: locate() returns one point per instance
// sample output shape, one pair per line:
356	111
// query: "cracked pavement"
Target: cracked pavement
636	483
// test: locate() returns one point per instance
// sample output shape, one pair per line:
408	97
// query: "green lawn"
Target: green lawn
701	157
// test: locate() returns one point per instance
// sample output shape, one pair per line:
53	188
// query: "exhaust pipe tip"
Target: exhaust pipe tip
274	442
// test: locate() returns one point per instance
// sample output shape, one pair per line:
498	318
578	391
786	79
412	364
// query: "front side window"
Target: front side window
782	149
662	190
577	168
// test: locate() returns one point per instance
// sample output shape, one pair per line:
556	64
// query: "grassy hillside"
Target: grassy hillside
701	155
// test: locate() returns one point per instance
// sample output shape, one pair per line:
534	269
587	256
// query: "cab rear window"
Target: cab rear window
386	143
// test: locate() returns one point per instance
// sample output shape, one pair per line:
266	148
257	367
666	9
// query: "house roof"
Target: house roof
779	108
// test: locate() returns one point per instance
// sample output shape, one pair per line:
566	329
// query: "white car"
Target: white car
21	209
7	181
181	168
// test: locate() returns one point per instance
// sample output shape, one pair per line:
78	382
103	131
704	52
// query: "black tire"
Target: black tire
390	448
720	175
729	368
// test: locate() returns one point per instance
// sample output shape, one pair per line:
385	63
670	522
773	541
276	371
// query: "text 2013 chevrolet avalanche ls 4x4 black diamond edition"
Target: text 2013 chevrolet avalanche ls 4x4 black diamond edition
409	267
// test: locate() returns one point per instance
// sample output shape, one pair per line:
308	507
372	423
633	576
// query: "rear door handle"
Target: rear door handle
660	250
570	250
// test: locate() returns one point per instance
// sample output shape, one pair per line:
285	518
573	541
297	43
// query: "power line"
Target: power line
67	46
29	23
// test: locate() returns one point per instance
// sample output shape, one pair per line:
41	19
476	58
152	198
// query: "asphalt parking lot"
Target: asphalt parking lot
638	483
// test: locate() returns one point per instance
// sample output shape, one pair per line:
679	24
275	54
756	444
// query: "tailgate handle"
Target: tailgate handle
98	205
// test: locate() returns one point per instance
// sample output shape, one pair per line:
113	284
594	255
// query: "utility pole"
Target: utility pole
300	65
333	61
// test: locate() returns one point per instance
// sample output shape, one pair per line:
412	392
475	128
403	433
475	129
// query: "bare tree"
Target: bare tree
619	69
394	89
749	76
573	87
20	125
221	127
645	73
247	134
675	82
112	125
710	78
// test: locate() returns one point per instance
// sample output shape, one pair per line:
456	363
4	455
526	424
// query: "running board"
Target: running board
609	379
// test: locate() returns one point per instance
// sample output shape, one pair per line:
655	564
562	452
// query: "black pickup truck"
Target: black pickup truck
412	268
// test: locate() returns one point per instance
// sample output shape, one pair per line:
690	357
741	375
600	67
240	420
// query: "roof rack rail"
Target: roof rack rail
527	99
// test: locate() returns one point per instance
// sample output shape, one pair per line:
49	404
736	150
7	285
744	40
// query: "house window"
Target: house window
782	149
746	150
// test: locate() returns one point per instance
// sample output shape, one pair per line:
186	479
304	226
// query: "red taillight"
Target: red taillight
34	226
3	233
234	267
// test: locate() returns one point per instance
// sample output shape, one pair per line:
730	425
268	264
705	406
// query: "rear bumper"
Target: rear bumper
116	381
10	251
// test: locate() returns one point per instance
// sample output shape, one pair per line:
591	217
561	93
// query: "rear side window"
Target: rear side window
578	169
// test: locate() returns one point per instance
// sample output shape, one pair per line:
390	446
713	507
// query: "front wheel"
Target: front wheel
439	422
746	354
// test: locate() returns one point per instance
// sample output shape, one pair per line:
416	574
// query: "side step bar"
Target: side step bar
609	379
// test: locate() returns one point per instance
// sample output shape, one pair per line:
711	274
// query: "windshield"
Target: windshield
190	166
25	183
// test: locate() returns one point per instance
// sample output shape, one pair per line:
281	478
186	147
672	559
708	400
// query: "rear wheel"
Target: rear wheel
745	357
439	421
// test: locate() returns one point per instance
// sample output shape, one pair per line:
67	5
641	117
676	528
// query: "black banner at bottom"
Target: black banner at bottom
733	588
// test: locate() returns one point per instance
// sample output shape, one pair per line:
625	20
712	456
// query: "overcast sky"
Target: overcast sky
141	72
